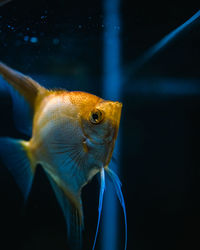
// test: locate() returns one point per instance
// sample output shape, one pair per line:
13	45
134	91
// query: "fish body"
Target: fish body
72	136
62	123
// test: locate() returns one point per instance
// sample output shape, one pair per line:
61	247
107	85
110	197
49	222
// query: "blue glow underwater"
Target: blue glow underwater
111	89
159	122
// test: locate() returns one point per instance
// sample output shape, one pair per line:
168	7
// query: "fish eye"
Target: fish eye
96	116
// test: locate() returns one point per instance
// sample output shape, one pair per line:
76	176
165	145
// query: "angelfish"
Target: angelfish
72	136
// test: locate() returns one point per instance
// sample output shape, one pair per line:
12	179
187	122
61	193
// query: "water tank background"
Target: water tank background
60	45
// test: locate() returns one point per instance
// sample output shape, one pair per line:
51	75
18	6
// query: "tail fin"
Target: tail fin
13	154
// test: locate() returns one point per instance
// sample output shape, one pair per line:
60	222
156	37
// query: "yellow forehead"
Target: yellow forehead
87	102
79	98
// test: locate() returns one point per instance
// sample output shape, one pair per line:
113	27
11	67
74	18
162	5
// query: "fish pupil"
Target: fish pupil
95	116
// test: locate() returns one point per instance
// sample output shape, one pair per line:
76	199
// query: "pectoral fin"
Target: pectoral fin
72	210
14	155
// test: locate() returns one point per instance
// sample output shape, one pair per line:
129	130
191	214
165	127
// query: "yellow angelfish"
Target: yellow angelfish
72	136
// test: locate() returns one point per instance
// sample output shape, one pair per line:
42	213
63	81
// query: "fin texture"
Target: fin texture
24	92
117	184
73	216
22	112
26	86
14	156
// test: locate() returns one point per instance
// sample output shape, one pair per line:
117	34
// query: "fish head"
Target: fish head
99	121
76	130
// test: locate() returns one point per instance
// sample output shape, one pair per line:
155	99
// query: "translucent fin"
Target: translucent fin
22	112
14	156
117	185
24	92
26	86
73	215
102	189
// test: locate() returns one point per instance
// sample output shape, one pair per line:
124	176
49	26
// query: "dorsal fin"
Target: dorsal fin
25	93
26	86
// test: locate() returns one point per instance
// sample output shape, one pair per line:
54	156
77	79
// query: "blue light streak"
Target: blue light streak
111	91
112	76
161	44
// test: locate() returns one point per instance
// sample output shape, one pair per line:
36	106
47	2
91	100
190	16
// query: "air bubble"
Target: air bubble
56	41
33	39
26	38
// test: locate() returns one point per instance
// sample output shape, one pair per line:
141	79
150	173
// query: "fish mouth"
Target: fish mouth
115	120
100	139
111	148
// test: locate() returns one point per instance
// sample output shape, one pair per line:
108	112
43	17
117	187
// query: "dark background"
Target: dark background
160	121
